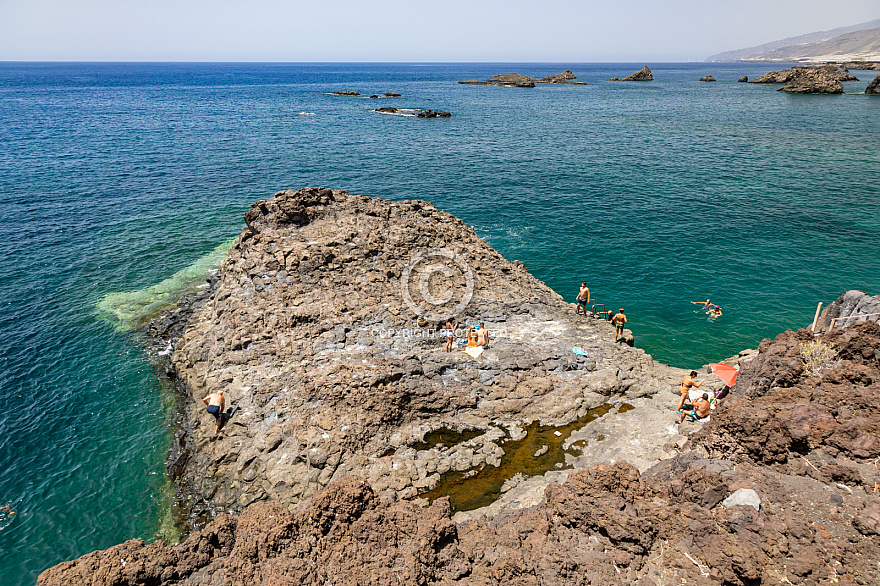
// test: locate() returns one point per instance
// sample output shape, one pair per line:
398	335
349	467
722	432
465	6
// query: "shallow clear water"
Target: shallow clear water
116	177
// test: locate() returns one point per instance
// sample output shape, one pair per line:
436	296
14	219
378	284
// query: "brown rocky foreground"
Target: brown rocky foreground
806	444
561	468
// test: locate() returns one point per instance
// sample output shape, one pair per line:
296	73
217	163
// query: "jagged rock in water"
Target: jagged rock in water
504	80
345	93
832	72
644	74
874	86
743	79
561	78
707	78
813	81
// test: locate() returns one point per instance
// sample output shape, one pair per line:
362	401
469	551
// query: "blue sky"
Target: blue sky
394	30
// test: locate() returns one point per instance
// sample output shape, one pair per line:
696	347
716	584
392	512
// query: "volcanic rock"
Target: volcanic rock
313	333
707	78
561	78
850	308
874	86
743	79
831	71
644	74
814	81
504	80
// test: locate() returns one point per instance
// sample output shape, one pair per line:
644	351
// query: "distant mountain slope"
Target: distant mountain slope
795	44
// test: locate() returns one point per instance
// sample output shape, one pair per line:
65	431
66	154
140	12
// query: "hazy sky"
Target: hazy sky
394	30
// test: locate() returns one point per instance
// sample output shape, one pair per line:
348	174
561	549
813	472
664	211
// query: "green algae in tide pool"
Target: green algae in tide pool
481	487
447	437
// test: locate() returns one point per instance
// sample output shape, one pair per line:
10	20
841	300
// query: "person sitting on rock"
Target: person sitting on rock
699	411
482	336
472	338
686	383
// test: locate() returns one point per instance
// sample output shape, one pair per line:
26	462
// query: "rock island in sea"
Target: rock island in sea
349	405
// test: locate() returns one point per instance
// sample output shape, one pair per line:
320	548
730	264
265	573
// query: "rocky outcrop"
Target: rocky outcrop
874	86
831	72
313	332
413	112
505	80
517	80
803	416
813	81
743	79
862	65
565	78
688	520
358	94
644	74
848	309
707	78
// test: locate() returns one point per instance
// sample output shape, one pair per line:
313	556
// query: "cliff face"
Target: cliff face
313	333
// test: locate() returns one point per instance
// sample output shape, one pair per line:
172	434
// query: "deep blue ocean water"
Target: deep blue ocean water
117	177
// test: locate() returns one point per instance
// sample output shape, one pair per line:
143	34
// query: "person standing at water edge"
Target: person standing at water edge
583	298
216	402
619	321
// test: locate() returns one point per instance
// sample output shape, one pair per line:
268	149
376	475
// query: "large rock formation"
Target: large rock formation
504	80
780	487
517	80
314	333
874	86
644	74
831	71
813	81
850	308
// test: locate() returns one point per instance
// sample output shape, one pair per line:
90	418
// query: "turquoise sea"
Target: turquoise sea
126	177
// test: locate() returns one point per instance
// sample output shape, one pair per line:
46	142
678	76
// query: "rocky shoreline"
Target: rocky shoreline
323	327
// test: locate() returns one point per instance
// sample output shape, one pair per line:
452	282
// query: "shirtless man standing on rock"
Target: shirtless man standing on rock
216	403
619	321
583	298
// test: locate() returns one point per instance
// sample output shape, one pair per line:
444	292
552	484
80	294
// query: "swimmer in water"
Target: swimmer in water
7	509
